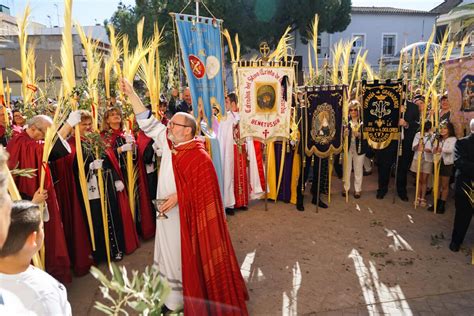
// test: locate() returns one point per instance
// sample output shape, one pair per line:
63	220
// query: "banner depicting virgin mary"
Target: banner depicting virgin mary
460	85
381	112
322	120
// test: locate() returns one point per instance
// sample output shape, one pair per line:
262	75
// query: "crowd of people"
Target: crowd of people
199	175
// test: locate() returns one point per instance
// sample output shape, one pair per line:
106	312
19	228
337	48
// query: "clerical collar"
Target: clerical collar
183	143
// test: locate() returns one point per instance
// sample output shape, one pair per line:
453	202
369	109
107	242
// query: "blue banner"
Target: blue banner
200	42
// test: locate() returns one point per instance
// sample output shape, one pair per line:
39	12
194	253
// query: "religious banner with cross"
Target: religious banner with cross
322	120
460	86
381	112
265	96
201	48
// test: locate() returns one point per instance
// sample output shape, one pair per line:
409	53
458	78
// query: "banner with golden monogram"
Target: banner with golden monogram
322	120
460	85
381	112
265	96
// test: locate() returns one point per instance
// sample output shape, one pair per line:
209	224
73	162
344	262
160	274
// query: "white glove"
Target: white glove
126	147
74	118
129	138
119	186
96	164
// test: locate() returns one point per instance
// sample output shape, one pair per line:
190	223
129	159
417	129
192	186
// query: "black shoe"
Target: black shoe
380	195
357	195
454	247
367	173
428	192
300	207
403	197
230	211
321	204
343	193
441	207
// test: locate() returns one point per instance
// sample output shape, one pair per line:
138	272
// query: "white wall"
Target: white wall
408	29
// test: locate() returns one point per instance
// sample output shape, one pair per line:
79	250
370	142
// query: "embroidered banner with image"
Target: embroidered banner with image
265	96
322	120
201	50
460	86
381	112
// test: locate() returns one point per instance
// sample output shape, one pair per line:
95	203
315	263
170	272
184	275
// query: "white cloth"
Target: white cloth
167	238
353	159
225	137
427	142
256	190
447	150
38	292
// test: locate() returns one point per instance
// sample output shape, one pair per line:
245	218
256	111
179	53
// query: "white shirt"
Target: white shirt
427	156
38	292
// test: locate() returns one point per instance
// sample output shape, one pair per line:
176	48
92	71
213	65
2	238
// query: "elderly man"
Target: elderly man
464	162
210	274
26	151
186	104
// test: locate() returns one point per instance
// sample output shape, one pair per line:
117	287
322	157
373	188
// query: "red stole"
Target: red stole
28	153
74	218
212	282
148	225
129	230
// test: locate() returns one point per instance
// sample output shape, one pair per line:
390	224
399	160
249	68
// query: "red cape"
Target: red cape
28	153
212	282
129	230
74	222
148	224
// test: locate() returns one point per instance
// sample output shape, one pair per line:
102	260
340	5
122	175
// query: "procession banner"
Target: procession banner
201	48
323	120
381	112
265	96
460	85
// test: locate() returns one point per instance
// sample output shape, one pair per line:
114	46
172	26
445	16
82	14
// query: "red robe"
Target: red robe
74	221
241	179
28	153
212	282
259	156
148	224
129	230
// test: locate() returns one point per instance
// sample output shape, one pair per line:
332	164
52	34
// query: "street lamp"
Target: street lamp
352	53
84	64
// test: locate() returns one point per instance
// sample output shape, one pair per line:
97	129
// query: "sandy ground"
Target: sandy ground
365	257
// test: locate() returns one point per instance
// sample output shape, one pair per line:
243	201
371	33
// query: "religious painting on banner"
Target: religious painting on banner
381	112
322	120
265	95
201	50
460	85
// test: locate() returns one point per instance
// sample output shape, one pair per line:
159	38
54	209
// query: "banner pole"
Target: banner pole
265	157
319	183
197	8
401	114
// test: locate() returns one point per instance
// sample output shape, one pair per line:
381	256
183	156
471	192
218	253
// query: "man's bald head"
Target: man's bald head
189	121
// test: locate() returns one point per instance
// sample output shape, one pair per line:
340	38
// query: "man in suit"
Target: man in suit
464	163
410	122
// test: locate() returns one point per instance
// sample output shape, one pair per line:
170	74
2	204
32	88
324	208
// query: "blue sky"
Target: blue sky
89	12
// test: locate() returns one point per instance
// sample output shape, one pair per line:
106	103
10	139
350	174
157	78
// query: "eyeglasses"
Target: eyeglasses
171	124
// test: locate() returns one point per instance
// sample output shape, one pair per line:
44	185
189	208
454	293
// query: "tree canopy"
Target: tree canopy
254	20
